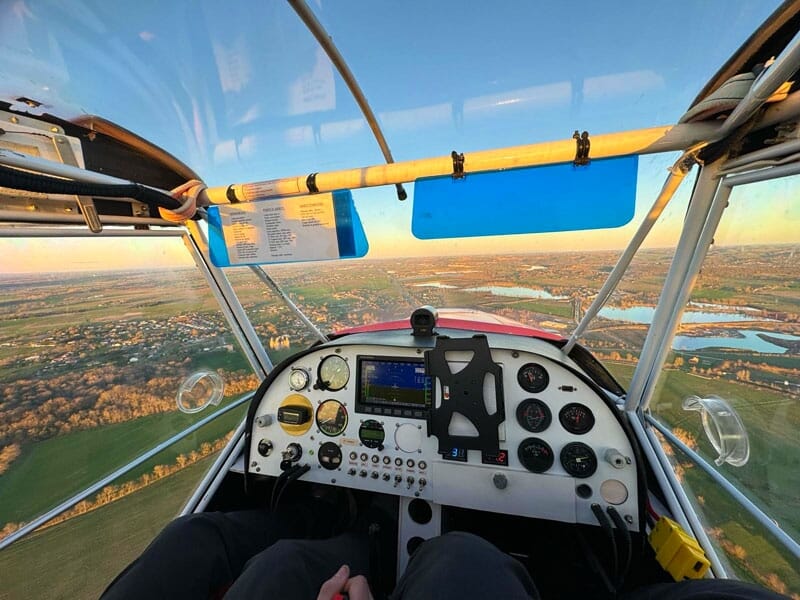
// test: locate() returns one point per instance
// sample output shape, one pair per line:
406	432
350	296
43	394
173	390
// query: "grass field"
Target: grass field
50	471
78	558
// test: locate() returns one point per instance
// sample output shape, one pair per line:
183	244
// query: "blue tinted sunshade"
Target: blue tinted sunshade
561	197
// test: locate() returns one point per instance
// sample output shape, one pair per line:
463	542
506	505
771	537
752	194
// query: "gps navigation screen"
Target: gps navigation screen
393	383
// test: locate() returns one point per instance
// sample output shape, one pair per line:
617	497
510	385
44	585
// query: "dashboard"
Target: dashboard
496	422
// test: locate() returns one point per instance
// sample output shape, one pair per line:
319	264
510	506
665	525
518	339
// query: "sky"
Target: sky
241	92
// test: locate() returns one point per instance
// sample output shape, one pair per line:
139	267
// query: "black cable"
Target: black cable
605	525
281	478
33	182
295	474
622	527
594	563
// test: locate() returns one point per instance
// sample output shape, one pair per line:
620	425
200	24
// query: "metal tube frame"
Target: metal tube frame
264	277
707	206
25	217
765	85
678	172
246	335
696	526
676	498
763	519
763	174
658	334
216	473
49	232
672	323
770	152
654	140
97	486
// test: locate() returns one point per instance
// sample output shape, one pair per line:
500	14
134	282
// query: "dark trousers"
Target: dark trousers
252	555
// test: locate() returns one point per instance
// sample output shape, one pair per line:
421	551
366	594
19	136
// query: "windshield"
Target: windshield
242	92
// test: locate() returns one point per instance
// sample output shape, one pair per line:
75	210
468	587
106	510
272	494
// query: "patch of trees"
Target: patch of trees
37	410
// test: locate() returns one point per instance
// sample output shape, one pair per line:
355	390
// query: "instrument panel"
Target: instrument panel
358	412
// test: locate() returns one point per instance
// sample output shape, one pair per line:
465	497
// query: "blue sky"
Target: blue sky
241	92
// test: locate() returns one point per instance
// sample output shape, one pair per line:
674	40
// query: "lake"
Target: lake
748	341
644	314
516	292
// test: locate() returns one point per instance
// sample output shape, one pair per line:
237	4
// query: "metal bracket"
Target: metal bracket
458	165
462	392
582	145
85	203
311	183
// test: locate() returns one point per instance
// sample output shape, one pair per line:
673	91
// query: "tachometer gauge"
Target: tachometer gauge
576	418
298	379
578	459
333	373
331	417
533	415
533	378
535	455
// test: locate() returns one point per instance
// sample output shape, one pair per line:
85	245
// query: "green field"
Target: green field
52	470
78	558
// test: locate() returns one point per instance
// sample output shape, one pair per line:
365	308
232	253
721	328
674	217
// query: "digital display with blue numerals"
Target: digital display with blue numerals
457	454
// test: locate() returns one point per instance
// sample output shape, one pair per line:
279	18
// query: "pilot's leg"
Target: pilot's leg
461	565
199	555
296	569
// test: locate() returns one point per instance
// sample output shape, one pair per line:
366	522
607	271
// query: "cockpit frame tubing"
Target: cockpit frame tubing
326	43
658	335
643	385
763	519
197	244
667	138
668	315
676	499
676	176
213	478
766	84
273	285
658	458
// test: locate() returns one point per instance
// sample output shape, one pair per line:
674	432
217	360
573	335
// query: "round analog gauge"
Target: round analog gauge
331	417
298	379
533	415
330	456
576	418
333	373
533	378
535	455
371	434
578	459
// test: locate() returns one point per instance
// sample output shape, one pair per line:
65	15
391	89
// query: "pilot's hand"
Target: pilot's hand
341	585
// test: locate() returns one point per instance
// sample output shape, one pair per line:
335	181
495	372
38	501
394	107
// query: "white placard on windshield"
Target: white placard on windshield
287	230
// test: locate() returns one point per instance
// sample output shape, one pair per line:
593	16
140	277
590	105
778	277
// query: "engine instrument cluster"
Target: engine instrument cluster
360	412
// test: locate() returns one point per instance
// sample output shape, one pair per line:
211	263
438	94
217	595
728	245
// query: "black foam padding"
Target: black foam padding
465	394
